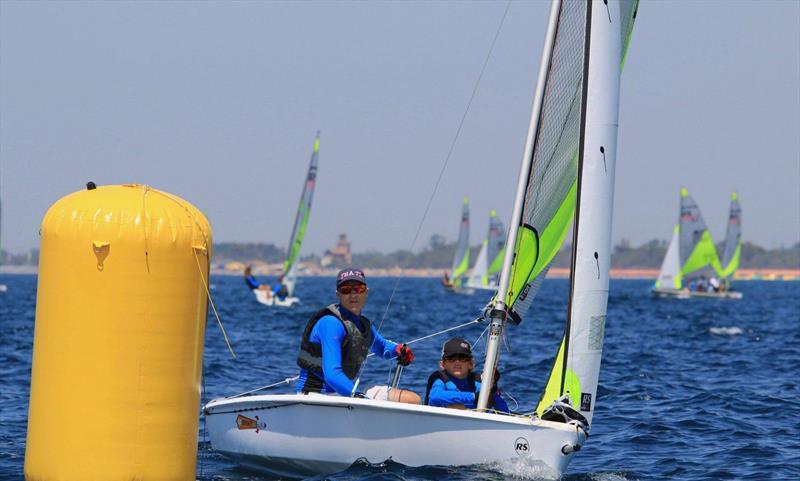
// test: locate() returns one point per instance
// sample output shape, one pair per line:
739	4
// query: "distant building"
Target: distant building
339	255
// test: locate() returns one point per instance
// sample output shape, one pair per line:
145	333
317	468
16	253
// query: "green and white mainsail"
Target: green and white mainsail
301	221
733	240
698	254
691	252
461	257
566	180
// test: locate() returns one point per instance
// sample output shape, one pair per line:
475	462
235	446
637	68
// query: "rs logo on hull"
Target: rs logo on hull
522	447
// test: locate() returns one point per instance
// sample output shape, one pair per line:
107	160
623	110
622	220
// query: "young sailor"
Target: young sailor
336	342
454	384
253	283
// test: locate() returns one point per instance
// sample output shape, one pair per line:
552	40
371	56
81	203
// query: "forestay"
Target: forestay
301	221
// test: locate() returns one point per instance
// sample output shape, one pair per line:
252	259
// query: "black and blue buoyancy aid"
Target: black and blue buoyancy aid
355	348
441	374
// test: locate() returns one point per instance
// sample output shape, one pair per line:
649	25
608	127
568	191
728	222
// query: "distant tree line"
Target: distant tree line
438	254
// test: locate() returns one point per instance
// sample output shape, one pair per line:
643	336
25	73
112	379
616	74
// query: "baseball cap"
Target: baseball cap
350	274
456	346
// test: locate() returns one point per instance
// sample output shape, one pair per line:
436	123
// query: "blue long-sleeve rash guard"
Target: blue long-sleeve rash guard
251	281
457	391
329	332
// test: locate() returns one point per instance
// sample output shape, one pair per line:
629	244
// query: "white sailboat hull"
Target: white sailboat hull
261	297
463	290
687	294
301	435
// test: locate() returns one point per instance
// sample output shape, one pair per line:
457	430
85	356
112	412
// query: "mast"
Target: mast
498	311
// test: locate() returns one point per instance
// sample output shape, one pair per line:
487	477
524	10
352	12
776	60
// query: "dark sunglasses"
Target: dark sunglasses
358	288
459	357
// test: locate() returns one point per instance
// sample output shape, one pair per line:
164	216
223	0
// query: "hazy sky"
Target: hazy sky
219	102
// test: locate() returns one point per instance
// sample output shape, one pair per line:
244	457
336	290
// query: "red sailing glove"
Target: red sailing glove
404	354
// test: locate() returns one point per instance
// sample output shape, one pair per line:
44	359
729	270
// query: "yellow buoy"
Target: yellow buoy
118	343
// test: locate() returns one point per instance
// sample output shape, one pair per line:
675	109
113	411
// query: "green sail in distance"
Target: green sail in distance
301	220
698	254
461	257
495	250
691	253
733	239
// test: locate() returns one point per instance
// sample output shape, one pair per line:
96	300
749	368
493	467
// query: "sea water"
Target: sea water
695	389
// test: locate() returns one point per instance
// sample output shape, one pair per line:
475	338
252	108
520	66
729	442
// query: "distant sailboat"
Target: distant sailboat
289	278
566	178
458	280
691	261
486	271
733	242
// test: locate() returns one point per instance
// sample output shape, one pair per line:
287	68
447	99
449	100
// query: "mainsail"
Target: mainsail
461	258
698	254
571	154
301	221
691	252
495	249
486	271
733	244
478	277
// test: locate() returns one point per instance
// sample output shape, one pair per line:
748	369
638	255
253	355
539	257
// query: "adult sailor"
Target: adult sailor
337	340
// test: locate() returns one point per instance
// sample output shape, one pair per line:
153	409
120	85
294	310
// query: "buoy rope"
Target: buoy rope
207	248
442	170
211	301
294	378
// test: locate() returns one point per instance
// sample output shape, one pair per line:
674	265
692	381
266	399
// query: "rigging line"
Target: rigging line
444	167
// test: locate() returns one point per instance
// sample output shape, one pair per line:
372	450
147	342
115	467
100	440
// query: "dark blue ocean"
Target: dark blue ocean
689	389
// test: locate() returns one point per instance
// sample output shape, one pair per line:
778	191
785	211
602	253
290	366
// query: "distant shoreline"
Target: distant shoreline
555	273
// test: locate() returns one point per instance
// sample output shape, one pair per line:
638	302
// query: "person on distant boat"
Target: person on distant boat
336	342
279	289
454	385
446	281
702	284
713	284
253	283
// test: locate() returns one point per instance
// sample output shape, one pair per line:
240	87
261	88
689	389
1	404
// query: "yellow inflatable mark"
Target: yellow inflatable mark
120	321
